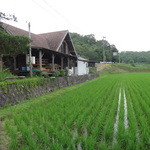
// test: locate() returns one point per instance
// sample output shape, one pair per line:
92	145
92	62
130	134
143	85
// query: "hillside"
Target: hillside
135	57
88	47
123	68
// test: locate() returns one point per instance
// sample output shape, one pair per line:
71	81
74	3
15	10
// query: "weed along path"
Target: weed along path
110	112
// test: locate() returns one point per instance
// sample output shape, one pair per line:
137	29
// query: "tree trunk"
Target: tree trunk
1	63
40	60
53	62
62	62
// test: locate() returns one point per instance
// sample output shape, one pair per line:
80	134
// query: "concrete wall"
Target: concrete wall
17	94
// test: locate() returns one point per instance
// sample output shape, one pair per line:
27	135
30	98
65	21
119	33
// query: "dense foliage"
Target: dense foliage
135	57
12	44
88	47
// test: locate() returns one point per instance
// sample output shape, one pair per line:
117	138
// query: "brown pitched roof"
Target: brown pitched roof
51	41
37	41
55	39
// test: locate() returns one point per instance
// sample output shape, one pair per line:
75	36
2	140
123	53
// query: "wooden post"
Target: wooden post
1	63
14	57
53	62
74	67
40	59
68	63
30	53
62	62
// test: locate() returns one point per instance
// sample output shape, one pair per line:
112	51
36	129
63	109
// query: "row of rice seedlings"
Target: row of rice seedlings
133	130
52	125
96	101
97	126
144	105
83	126
88	118
96	130
40	120
141	82
141	118
12	132
25	134
109	125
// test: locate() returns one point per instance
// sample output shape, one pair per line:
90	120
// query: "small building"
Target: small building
82	66
92	63
50	51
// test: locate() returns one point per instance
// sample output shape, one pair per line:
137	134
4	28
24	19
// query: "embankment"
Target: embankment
14	92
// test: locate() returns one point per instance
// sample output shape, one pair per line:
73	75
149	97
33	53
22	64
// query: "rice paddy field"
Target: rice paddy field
111	112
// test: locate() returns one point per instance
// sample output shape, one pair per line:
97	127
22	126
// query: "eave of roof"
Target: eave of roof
55	39
36	39
82	59
50	41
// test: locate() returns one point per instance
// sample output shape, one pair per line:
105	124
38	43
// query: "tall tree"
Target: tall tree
12	45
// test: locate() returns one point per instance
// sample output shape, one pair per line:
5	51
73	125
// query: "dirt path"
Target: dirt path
3	138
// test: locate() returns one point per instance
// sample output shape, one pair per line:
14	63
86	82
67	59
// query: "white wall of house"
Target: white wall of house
82	68
71	72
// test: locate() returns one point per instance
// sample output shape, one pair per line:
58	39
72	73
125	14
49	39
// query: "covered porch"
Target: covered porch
44	61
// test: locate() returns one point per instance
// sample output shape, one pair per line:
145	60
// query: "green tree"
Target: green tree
88	47
135	57
12	45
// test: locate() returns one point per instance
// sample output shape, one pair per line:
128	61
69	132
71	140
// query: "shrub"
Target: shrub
56	73
37	73
62	73
92	70
6	73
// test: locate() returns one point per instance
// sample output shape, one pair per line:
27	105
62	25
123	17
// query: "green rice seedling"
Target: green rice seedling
13	135
84	117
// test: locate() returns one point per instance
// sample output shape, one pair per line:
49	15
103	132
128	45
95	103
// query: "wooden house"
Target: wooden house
50	51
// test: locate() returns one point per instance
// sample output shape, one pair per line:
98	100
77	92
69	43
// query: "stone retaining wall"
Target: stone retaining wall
15	94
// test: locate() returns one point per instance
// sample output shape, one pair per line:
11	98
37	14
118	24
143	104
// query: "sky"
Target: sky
124	23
